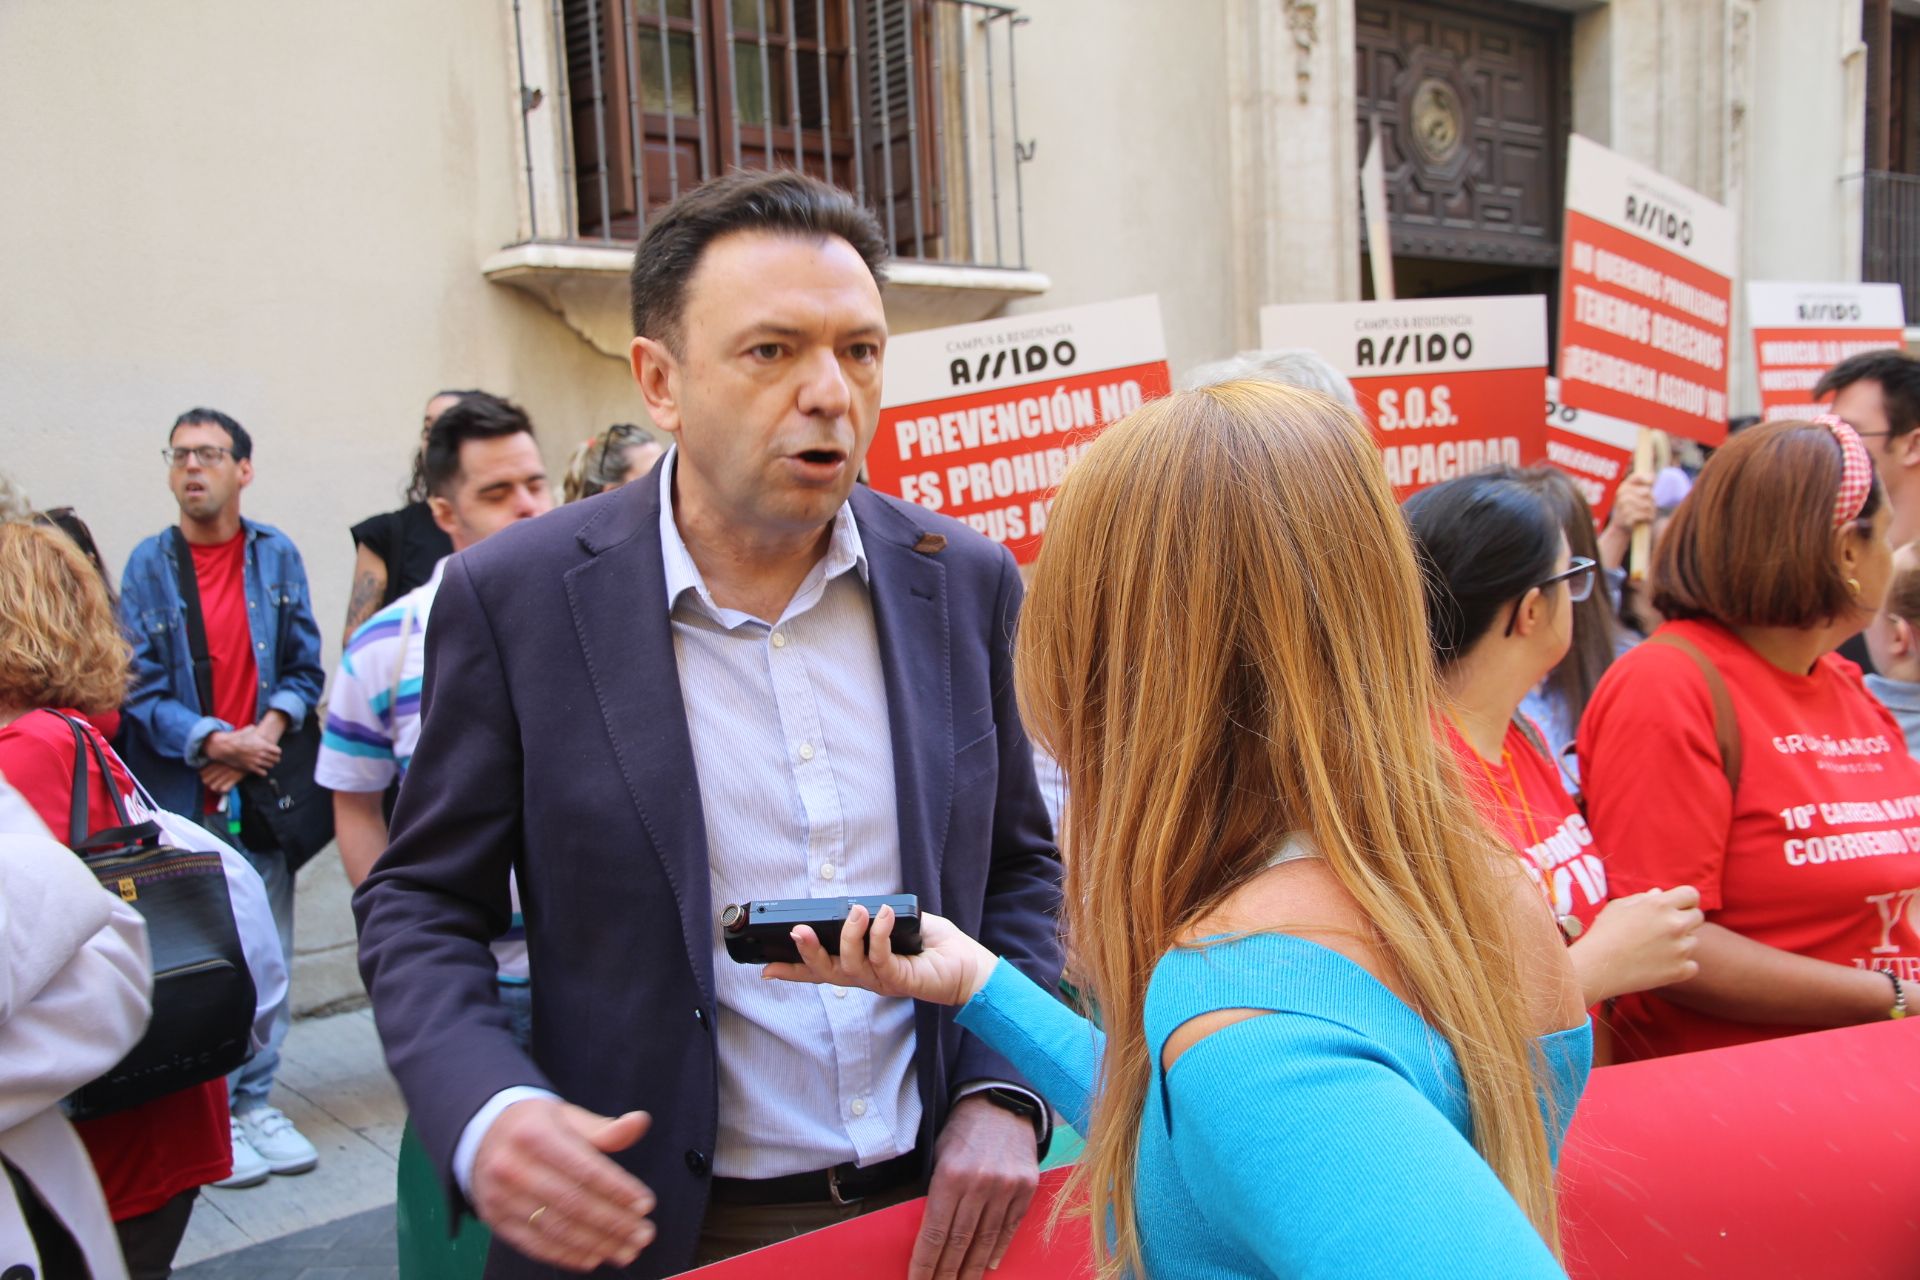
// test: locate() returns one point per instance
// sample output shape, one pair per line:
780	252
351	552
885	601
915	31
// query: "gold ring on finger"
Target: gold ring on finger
534	1217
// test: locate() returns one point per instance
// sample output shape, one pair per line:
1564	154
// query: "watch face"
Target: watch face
1438	120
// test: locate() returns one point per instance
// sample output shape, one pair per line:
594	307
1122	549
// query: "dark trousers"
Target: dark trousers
150	1240
733	1229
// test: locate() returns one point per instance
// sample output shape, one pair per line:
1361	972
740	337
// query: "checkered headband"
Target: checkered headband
1856	471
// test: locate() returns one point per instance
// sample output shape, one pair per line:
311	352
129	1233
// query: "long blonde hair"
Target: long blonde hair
1225	642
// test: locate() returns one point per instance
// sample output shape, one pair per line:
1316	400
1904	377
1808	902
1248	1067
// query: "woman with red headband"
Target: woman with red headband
1736	751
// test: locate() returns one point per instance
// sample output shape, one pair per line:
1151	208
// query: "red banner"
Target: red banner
979	421
1437	377
1802	330
1646	297
1791	1157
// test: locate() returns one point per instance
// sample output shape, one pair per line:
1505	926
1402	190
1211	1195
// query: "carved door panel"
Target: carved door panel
1471	100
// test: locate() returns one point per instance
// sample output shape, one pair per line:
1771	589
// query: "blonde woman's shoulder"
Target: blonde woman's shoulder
1552	989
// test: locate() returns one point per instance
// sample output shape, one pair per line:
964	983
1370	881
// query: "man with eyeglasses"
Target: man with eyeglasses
263	647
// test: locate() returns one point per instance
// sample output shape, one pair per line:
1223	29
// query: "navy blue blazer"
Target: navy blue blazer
555	743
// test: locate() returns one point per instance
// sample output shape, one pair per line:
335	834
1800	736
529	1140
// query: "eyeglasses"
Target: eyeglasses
207	454
1578	575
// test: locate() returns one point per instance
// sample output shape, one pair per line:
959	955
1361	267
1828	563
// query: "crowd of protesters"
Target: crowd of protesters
1382	823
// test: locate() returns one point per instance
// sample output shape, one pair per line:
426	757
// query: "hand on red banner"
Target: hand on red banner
950	968
1638	943
542	1181
985	1169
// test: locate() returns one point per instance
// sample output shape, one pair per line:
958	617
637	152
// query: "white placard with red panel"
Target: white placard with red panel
1450	385
979	421
1802	330
1646	296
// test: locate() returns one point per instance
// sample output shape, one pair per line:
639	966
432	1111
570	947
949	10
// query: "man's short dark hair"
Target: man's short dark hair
240	444
779	200
1898	375
478	416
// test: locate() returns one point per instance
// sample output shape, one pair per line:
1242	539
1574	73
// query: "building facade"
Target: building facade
313	216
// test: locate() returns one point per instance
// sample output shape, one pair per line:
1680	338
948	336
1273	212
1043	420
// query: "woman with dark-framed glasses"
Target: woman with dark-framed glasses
1501	585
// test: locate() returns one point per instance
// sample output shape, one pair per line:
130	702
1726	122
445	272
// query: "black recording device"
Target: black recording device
762	932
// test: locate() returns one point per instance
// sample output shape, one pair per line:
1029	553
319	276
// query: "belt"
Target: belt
842	1184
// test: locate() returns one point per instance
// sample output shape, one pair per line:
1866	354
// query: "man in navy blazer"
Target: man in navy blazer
741	675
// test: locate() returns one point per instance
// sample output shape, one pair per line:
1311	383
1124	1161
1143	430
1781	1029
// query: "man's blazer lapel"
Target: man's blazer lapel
619	604
909	592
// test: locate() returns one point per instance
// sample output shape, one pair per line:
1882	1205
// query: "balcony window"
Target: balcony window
904	103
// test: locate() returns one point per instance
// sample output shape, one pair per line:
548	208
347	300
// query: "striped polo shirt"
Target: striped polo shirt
373	723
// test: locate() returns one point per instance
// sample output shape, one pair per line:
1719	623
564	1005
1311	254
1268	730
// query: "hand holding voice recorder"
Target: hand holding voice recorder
761	932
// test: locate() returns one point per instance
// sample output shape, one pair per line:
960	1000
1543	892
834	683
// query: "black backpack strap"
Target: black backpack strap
196	622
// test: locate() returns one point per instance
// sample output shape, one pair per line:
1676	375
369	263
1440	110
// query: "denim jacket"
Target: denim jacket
165	728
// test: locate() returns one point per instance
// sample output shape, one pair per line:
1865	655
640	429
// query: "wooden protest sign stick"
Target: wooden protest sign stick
1652	452
1373	212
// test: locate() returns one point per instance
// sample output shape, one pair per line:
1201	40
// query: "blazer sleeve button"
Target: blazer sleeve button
697	1163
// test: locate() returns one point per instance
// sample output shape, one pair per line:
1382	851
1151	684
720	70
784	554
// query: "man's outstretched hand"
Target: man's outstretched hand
543	1182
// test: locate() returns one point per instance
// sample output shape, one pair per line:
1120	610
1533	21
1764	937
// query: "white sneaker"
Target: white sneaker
280	1145
249	1166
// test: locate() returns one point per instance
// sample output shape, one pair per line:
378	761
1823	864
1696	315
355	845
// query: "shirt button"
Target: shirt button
261	646
779	640
839	993
696	1163
826	871
806	751
859	1107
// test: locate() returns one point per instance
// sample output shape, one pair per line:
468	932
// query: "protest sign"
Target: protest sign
1597	451
1802	330
979	421
1646	290
1450	385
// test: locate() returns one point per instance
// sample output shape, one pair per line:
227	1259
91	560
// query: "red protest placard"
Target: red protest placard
1597	451
979	421
1802	330
1449	384
1646	290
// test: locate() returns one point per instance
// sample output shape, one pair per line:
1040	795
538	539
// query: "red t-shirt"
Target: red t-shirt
1522	798
219	570
145	1155
1817	854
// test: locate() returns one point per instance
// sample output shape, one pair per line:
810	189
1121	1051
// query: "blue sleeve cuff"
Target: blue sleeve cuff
203	728
291	705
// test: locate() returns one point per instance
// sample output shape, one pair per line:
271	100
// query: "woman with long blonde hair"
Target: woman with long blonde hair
1341	1034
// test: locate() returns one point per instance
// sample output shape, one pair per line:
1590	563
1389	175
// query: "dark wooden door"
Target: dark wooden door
1472	104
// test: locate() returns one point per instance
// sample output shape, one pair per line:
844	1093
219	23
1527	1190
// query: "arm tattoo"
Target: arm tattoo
365	601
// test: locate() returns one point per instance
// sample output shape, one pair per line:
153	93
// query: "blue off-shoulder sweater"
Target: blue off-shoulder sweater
1329	1138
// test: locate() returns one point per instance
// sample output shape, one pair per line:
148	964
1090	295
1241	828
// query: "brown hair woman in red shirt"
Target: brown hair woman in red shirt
1745	756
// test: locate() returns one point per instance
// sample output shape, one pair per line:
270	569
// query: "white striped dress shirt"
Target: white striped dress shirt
791	745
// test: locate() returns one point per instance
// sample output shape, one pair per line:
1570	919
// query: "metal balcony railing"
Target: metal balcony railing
1892	239
911	105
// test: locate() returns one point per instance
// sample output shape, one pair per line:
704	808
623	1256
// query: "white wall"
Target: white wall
1129	191
278	210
